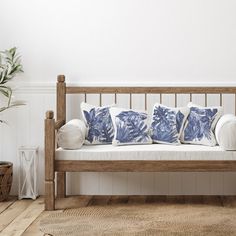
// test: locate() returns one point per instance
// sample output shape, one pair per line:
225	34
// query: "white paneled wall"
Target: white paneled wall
26	127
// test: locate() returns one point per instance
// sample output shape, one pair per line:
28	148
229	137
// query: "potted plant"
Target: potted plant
10	66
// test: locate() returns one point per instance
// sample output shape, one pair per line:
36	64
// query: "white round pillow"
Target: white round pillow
72	134
225	132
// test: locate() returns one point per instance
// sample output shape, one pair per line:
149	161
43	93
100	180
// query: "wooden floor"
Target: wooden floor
21	217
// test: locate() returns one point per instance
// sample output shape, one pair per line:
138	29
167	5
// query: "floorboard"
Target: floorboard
118	200
4	205
72	202
15	209
99	200
33	229
137	200
25	219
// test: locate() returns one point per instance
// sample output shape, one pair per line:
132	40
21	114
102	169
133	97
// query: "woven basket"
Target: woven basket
5	179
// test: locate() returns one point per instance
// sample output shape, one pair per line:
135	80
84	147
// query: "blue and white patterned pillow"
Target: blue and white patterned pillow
200	125
99	124
131	127
167	123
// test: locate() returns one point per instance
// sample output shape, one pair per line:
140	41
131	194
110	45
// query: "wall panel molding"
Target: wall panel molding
50	87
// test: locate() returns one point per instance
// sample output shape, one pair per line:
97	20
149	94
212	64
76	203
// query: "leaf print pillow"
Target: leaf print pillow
99	124
200	125
131	127
167	123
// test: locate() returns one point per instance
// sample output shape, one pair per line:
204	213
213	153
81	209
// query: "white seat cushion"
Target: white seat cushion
146	152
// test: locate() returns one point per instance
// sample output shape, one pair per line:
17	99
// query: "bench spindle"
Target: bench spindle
235	103
130	100
205	99
100	99
176	100
221	99
191	97
145	101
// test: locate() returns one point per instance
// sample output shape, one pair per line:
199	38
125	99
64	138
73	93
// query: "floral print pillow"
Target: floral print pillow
200	125
131	127
99	124
167	123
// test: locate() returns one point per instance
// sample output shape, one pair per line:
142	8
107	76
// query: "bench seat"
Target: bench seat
145	152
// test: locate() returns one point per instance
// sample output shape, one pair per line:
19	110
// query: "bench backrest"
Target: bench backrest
157	94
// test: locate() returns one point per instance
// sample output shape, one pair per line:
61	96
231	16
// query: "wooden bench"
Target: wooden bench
60	167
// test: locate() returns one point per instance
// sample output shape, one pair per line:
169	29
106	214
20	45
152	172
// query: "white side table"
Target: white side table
28	186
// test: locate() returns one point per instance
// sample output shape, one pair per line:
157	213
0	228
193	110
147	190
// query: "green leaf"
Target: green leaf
3	92
10	65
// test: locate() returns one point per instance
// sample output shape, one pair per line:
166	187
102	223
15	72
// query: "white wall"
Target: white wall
116	42
125	40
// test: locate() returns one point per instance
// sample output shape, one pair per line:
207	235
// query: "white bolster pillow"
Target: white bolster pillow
225	132
72	134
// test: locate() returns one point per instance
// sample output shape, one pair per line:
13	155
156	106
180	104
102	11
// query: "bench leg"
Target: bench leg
49	195
61	184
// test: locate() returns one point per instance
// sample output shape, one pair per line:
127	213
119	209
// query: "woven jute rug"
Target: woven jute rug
142	219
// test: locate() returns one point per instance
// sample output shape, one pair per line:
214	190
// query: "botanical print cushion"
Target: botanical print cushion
99	124
200	125
131	127
167	123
